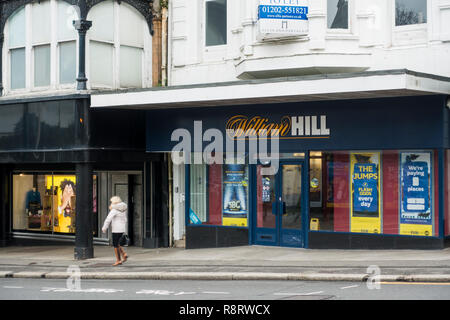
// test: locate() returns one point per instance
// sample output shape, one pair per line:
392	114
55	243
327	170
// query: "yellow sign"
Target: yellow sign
365	195
235	222
314	224
64	213
416	229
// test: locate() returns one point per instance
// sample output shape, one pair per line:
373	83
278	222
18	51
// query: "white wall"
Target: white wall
372	42
178	202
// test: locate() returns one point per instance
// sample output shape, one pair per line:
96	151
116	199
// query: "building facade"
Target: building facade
61	161
339	110
359	93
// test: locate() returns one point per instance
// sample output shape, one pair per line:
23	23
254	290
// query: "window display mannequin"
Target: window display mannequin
33	201
32	205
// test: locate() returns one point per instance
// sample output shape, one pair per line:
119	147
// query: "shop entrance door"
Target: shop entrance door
279	206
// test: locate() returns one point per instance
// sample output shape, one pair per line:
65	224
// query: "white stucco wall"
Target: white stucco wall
372	42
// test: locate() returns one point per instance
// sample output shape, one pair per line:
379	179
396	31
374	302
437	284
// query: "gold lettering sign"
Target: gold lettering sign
243	126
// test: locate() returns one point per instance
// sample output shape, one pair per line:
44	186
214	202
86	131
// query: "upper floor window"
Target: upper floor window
41	47
216	22
337	14
119	42
409	12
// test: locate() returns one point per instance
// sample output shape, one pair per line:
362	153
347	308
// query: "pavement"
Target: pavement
233	263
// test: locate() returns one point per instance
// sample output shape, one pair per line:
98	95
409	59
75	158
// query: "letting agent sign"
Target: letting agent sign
283	17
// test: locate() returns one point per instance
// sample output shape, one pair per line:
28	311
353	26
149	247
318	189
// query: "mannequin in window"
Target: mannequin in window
32	205
33	201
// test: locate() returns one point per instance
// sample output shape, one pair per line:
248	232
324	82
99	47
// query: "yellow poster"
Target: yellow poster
64	213
365	194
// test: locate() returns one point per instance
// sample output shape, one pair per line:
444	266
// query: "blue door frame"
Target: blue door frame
278	236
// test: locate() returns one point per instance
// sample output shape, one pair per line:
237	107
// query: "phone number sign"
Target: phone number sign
288	17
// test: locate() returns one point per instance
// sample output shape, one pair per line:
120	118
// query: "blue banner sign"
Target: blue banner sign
365	184
416	194
282	12
235	193
194	218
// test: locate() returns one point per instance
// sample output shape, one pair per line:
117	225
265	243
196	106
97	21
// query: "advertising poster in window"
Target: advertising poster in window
365	192
416	214
235	190
64	188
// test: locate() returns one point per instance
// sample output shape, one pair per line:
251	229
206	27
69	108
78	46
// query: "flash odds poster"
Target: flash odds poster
365	192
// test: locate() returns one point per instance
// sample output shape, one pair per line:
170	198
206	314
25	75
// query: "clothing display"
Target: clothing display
33	197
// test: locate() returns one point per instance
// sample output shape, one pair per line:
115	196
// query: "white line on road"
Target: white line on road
92	290
348	287
12	287
215	292
297	294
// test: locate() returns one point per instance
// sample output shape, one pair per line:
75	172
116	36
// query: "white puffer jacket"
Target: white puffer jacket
117	217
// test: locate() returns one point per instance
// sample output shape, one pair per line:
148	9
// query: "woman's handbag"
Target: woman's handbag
124	240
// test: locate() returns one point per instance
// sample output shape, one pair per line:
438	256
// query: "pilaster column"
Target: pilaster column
84	236
2	38
82	26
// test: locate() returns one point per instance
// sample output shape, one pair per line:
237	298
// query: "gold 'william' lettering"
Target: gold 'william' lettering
257	126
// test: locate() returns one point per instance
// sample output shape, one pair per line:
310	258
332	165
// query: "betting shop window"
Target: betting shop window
389	192
219	194
447	192
408	12
337	14
216	22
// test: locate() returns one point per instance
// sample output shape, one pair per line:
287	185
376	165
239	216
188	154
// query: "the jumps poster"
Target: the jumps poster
365	192
416	214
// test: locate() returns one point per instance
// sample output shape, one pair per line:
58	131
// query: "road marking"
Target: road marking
92	290
348	287
215	292
183	293
296	293
12	287
419	283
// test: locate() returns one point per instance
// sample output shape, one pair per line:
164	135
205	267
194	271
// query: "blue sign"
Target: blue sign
365	184
415	177
235	193
282	12
194	218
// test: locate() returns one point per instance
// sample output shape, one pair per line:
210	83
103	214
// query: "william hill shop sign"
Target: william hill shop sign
289	127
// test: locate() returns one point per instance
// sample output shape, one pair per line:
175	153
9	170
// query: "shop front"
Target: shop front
354	173
61	162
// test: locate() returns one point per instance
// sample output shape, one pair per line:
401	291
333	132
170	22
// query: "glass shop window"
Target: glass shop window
447	192
219	194
216	22
389	192
46	202
409	12
337	14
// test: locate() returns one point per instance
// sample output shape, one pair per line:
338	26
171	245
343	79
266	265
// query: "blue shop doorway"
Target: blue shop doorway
279	207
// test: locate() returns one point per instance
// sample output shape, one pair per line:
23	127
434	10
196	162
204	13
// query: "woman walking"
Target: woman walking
117	218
